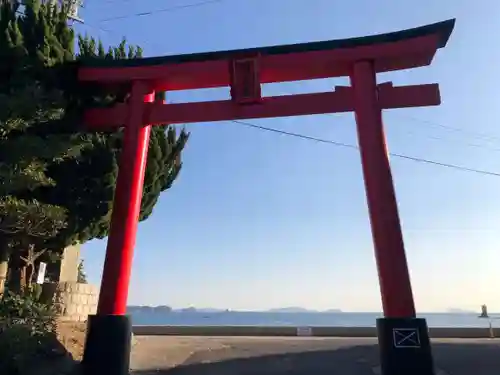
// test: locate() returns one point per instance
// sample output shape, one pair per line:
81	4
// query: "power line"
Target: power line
346	145
475	145
482	135
477	134
163	10
112	32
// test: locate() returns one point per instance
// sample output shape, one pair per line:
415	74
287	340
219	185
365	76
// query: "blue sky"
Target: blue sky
259	220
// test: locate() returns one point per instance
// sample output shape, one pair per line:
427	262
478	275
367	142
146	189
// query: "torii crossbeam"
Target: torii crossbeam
403	339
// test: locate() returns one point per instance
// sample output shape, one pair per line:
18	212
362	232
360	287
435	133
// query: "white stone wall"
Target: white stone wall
74	301
68	265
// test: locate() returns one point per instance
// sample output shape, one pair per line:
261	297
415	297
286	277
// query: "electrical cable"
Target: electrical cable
482	135
112	32
163	10
346	145
475	145
320	140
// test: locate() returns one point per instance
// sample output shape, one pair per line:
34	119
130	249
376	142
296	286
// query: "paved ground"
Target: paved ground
171	355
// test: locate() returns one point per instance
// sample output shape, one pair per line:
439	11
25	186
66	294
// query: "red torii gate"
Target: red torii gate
403	339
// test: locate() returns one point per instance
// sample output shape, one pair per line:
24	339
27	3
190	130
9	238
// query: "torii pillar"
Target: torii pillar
403	338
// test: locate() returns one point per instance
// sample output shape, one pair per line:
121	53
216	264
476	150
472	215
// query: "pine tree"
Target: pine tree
28	99
52	173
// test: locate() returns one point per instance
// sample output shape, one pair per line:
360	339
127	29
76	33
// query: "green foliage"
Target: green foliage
86	188
25	354
51	171
26	310
30	218
27	333
35	292
31	101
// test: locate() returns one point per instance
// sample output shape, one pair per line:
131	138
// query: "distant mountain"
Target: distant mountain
211	310
163	309
333	311
459	311
290	310
188	309
149	309
207	310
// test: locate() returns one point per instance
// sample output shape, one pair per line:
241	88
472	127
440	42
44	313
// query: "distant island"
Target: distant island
167	309
278	310
149	309
289	310
453	310
300	310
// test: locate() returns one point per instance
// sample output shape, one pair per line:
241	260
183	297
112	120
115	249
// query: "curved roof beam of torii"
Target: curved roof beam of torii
392	51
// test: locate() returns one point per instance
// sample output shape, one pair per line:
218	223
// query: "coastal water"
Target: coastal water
237	318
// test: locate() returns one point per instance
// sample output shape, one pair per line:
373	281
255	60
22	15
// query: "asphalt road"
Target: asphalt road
176	355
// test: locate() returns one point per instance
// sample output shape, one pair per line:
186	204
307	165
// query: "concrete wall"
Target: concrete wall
70	260
73	300
3	274
302	331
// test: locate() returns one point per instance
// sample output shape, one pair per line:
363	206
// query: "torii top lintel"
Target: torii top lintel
392	51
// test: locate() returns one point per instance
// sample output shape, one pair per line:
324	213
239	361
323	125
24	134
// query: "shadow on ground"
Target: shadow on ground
450	359
23	353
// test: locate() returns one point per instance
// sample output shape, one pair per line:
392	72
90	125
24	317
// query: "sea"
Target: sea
299	319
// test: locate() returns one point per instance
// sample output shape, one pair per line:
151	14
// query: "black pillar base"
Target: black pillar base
405	347
107	348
